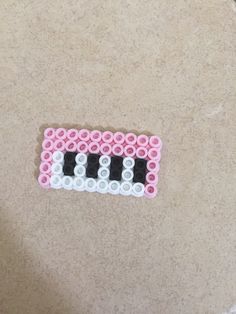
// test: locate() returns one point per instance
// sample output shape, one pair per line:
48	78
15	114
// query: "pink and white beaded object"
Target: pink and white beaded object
103	162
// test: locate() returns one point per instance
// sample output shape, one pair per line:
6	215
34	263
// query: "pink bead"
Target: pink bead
142	140
45	167
46	156
105	149
107	137
49	133
71	146
154	154
119	138
94	148
141	152
152	178
131	138
155	141
47	144
82	147
117	149
153	165
59	145
44	180
96	136
72	134
84	135
129	151
150	190
61	133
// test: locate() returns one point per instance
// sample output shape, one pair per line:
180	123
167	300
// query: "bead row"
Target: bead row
129	146
58	156
81	159
105	137
98	185
104	149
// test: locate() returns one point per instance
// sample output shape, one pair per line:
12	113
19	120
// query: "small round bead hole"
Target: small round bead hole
138	189
151	189
141	152
45	167
151	177
102	185
152	165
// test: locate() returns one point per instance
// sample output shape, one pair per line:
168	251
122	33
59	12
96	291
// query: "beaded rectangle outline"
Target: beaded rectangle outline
103	143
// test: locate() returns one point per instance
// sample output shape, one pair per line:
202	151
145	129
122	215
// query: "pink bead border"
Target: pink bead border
105	143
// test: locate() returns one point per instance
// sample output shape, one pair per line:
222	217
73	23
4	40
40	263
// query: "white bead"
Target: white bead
127	175
114	187
103	173
126	188
55	181
78	184
90	185
67	182
79	171
57	168
128	162
58	156
138	189
105	161
102	186
81	159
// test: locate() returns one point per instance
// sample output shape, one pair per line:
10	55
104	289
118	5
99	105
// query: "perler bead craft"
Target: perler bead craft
102	162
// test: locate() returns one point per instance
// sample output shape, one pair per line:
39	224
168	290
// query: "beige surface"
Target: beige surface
166	67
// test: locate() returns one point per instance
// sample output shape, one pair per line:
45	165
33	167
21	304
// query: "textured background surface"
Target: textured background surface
159	66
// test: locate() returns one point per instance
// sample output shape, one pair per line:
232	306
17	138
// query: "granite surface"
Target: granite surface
160	67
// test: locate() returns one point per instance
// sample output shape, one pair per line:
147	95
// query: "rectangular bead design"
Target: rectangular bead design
71	159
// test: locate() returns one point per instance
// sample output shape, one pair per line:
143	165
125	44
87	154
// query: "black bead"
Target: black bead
116	162
93	159
115	174
140	169
92	166
140	164
68	169
69	157
139	176
92	171
116	168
